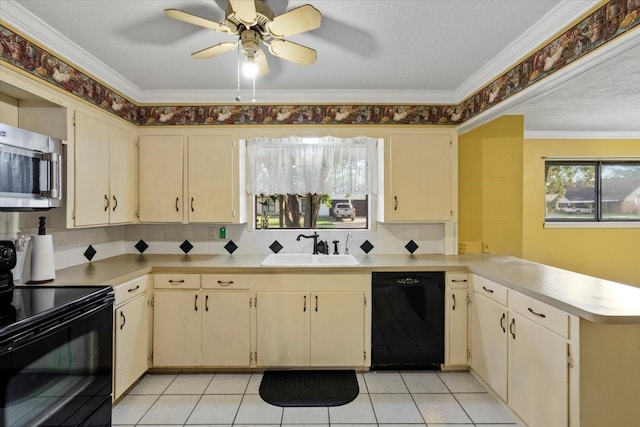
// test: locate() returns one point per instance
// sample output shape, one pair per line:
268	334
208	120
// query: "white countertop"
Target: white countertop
590	298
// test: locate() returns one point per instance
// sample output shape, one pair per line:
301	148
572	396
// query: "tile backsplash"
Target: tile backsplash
70	244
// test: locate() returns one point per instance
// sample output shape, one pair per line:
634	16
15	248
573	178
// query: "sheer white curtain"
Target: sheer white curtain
327	165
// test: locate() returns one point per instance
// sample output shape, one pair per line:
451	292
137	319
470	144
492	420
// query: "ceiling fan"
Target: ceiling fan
254	23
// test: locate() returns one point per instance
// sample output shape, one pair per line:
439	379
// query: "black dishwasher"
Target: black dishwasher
407	325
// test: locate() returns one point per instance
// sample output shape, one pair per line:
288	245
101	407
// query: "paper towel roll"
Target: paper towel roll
42	265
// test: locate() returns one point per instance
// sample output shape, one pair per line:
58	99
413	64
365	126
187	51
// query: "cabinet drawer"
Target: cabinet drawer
176	281
490	289
550	317
223	281
127	290
457	280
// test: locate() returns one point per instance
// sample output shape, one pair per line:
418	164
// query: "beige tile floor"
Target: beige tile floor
407	399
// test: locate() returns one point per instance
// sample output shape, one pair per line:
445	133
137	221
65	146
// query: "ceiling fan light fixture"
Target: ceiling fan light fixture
249	68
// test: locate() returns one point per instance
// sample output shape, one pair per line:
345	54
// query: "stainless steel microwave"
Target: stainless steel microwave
30	170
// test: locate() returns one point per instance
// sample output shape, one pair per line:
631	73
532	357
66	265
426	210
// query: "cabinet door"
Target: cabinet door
456	334
226	331
160	177
420	178
337	329
123	176
489	343
177	328
131	343
282	320
211	179
92	199
538	373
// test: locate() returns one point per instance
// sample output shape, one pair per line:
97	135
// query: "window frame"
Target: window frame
597	221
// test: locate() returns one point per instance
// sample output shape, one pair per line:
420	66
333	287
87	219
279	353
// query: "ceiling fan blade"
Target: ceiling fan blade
261	62
245	11
296	21
293	52
214	50
196	20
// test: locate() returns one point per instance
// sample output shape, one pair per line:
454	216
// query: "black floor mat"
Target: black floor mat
309	388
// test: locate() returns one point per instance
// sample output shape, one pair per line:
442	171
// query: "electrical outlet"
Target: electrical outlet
486	247
213	232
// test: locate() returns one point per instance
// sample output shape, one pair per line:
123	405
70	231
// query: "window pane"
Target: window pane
311	211
570	191
621	192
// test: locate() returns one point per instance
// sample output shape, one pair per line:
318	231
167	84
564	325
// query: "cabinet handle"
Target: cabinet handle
192	204
487	289
195	303
206	303
454	301
304	308
115	203
511	328
177	199
124	320
133	289
106	203
316	303
225	283
537	314
502	319
175	282
395	206
459	281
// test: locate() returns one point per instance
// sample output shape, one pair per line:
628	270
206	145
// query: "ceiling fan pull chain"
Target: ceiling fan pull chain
238	97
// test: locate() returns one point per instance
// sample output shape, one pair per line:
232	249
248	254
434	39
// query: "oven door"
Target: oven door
60	374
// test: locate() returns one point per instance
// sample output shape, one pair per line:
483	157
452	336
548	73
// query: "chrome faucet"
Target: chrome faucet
314	236
346	244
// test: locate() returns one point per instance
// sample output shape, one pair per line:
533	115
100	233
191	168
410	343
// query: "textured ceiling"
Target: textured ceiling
368	51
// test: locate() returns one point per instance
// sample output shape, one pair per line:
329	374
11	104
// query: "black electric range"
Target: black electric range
56	347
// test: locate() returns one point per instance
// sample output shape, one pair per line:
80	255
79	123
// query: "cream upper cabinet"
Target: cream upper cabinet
418	180
123	156
213	179
161	179
105	172
194	178
91	171
456	321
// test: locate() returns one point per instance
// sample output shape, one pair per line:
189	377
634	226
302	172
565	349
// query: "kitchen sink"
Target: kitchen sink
309	260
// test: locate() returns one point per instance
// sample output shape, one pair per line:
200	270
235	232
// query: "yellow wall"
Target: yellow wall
490	187
609	253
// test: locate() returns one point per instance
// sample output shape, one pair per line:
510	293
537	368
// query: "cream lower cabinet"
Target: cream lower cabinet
305	322
200	328
456	321
521	349
131	334
489	343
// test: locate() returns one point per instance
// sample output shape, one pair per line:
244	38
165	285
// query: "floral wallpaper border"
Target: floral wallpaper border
609	21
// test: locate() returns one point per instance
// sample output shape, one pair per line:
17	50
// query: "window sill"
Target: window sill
587	224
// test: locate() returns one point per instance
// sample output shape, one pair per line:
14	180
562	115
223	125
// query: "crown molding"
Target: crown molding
42	33
540	33
32	26
580	135
299	97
